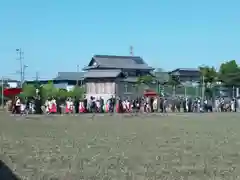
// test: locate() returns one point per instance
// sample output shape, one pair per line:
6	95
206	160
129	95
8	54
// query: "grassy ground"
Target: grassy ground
203	146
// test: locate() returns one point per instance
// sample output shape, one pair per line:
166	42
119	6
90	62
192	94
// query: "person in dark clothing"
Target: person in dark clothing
120	106
27	102
76	105
38	105
151	104
189	104
93	107
58	102
111	104
161	105
101	105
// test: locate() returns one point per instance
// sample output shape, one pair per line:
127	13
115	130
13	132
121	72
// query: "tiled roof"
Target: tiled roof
74	76
102	73
186	69
119	62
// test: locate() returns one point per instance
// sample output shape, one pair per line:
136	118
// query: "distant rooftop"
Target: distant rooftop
73	76
103	73
118	62
186	69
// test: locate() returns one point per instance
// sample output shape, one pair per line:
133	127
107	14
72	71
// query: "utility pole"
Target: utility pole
23	73
22	68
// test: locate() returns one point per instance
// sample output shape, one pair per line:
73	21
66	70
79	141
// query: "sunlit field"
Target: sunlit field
187	146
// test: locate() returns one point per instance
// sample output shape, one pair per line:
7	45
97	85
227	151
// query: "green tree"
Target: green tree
28	90
62	93
210	77
49	90
174	81
146	79
210	74
77	92
229	74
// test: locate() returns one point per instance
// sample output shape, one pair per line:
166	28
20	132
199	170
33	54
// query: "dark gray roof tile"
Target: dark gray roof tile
121	62
72	76
102	73
186	69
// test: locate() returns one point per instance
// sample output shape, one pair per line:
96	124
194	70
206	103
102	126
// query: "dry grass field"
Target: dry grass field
186	146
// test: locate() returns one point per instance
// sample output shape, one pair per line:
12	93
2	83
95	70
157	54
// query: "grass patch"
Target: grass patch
200	146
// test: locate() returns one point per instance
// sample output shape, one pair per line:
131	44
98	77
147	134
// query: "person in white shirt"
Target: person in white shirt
46	106
69	106
18	105
49	106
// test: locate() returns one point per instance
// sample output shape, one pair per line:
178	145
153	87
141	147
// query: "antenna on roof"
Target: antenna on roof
131	50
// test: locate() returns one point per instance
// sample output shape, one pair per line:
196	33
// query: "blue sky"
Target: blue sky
58	35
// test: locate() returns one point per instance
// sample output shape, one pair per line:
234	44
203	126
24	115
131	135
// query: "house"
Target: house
67	80
108	76
187	74
11	83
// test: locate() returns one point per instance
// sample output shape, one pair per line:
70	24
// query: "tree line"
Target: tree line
49	90
228	75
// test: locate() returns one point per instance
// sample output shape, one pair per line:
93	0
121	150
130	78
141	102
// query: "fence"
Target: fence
196	91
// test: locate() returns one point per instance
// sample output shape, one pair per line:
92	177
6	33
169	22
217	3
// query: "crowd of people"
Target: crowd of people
120	105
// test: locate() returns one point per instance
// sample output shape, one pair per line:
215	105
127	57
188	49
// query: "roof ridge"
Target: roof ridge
70	72
115	56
